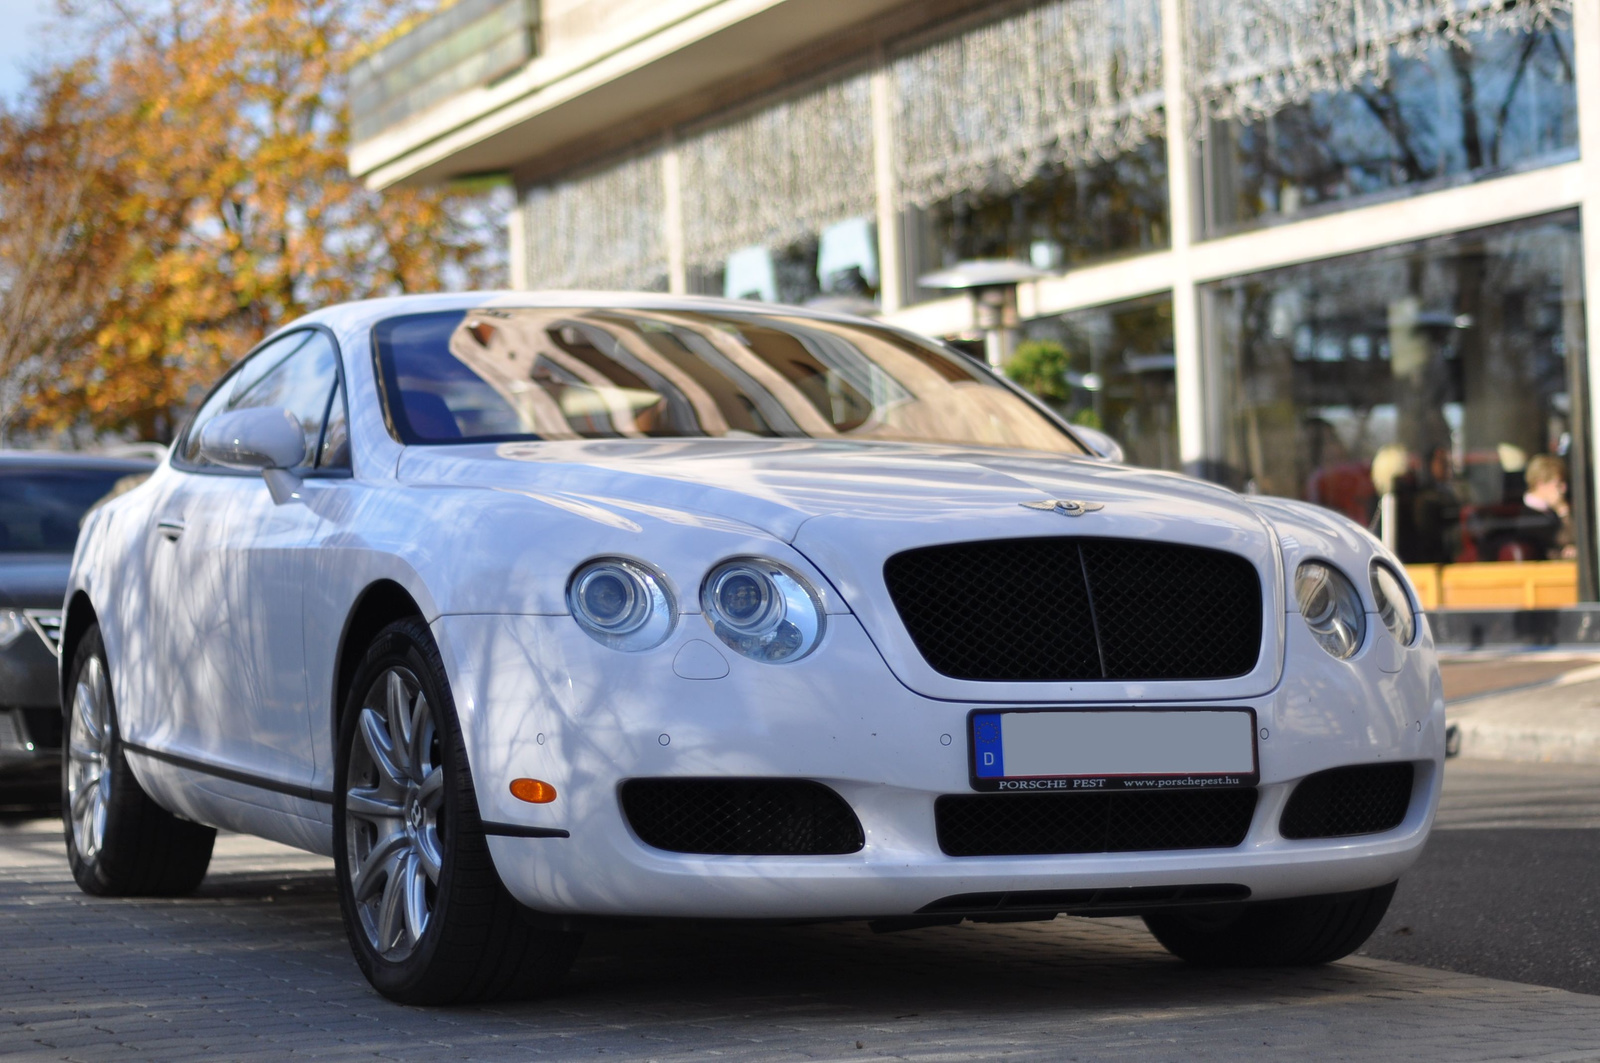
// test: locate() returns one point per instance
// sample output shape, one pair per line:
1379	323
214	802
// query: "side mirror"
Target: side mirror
1104	447
259	439
270	440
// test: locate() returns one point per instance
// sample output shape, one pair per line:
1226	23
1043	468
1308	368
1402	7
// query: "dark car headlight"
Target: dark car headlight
762	609
1331	608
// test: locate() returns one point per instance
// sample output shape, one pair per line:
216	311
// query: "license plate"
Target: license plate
1112	749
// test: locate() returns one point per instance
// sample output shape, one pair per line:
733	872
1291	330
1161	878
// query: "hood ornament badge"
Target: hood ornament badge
1065	506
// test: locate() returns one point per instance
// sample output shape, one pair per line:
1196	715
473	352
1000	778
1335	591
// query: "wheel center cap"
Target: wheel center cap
414	812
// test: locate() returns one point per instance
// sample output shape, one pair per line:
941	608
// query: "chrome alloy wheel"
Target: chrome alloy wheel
89	760
395	791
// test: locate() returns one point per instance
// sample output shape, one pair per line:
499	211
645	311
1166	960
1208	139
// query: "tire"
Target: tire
427	916
1303	932
119	842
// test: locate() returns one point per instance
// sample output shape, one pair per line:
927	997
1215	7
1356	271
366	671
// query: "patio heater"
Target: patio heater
991	283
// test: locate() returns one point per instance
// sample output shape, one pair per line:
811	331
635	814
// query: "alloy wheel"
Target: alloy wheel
393	801
89	760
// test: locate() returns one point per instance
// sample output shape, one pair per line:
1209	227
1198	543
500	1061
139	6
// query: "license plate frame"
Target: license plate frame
983	779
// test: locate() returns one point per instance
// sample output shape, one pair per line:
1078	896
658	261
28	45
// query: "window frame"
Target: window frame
340	388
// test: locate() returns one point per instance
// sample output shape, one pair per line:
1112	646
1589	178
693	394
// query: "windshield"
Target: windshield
491	375
40	507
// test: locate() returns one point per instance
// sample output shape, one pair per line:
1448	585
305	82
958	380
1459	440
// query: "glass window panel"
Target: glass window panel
598	374
301	384
1440	112
1118	374
240	380
1433	373
1063	217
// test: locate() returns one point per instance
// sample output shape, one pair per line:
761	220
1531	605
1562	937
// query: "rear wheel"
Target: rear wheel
119	842
1303	932
427	916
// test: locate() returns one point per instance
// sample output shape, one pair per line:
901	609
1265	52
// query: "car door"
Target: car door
229	577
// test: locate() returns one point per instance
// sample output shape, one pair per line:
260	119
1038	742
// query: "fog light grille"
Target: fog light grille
741	817
1366	799
1111	822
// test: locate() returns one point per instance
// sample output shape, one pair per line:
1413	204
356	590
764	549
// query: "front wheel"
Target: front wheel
119	842
1303	932
428	919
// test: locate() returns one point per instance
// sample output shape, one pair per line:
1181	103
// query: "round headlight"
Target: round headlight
621	604
762	609
1331	608
1394	604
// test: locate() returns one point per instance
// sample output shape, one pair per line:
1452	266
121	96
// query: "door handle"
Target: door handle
170	530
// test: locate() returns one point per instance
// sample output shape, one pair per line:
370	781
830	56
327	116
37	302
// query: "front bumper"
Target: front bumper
537	698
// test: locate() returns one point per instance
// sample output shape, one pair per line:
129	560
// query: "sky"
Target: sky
20	32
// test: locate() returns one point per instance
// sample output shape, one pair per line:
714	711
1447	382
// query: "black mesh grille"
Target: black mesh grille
1119	821
741	817
1368	799
1073	609
1117	898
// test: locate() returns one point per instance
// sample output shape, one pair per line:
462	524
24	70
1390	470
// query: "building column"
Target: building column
891	295
1186	335
1586	63
517	242
672	218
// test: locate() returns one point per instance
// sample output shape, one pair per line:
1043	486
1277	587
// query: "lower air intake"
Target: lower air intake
1118	821
1366	799
741	817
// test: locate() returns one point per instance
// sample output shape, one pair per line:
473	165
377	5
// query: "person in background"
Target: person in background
1546	521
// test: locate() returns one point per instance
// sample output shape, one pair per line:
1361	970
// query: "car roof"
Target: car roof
367	312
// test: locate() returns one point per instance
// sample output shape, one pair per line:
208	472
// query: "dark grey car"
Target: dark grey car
43	497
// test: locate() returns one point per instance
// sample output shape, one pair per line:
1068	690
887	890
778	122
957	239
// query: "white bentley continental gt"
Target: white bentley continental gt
534	610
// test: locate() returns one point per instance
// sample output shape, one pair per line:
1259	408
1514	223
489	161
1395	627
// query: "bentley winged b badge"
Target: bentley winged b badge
1067	507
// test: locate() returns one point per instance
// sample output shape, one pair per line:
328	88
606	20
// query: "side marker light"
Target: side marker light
533	791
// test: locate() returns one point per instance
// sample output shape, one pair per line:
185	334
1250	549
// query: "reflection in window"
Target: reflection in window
1058	219
1419	382
1117	373
1441	110
530	373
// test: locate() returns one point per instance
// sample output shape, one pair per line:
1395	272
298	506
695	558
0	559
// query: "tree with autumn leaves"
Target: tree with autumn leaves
179	188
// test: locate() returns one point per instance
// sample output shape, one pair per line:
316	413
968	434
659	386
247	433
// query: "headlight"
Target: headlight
762	609
13	625
1394	604
1331	607
621	604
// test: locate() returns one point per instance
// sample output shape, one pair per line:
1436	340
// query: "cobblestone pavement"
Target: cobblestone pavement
256	967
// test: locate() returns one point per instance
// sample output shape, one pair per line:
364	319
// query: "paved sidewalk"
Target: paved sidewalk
1553	718
256	966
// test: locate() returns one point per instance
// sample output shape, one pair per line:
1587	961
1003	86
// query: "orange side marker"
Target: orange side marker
533	791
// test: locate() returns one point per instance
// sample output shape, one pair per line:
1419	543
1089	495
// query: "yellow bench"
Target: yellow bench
1496	585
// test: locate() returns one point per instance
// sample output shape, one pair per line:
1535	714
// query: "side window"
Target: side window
302	384
336	436
235	383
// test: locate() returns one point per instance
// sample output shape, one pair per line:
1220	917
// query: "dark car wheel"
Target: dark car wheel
427	916
1302	932
119	842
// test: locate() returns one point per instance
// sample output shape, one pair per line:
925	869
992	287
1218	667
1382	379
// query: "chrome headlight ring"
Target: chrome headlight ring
1331	608
762	609
1394	603
621	603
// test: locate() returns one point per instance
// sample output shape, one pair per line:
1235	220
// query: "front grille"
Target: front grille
47	623
1065	609
1366	799
1116	821
741	817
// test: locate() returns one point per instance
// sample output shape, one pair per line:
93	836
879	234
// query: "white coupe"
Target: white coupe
534	610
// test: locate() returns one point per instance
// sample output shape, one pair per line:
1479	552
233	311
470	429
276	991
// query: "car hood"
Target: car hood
33	581
849	506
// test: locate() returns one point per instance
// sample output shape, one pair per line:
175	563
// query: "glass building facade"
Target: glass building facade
1330	250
